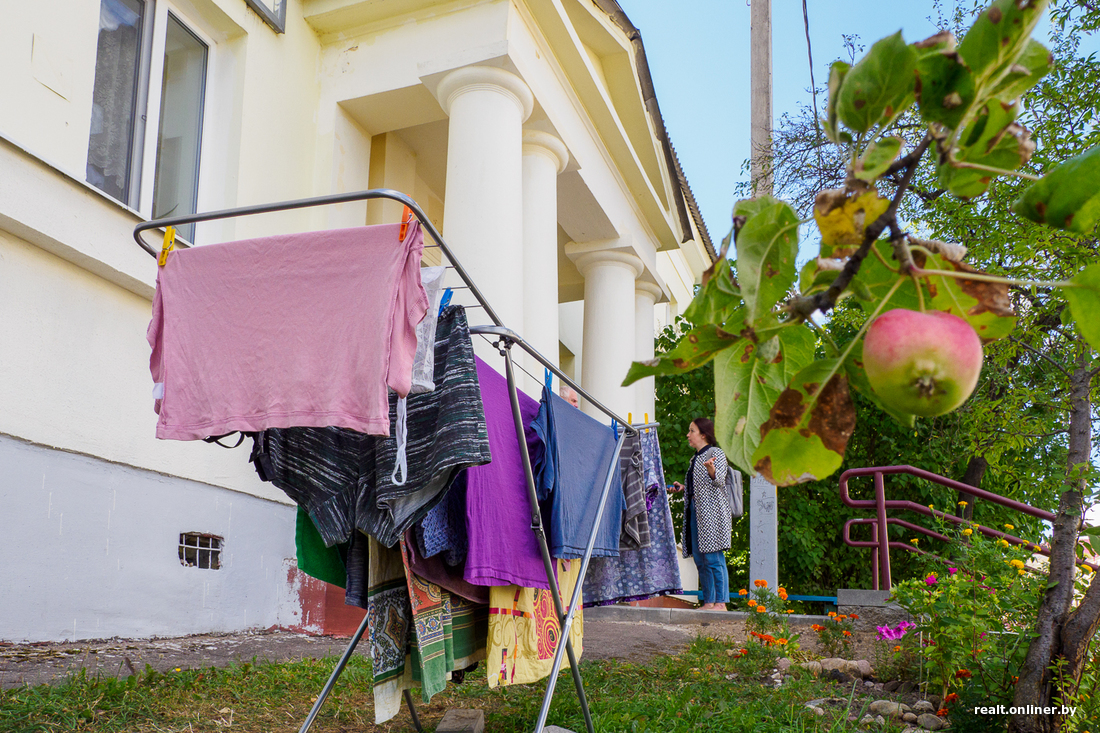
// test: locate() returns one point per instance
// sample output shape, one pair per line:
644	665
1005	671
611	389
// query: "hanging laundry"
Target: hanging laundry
635	533
389	623
423	369
342	478
502	548
524	629
300	330
443	528
579	451
446	576
450	632
651	571
447	433
315	559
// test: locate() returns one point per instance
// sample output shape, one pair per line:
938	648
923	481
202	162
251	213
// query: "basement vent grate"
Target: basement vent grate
199	550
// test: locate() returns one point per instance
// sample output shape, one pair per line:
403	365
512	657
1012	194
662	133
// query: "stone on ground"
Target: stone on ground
459	720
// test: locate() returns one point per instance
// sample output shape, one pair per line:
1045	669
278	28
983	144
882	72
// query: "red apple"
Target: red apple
922	363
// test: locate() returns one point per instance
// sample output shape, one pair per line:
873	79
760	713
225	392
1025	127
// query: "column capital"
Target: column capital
647	288
537	142
586	255
490	78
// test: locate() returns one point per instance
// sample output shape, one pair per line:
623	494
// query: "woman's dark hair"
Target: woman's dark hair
706	427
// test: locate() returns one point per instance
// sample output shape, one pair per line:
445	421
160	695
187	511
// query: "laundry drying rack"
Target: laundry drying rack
505	339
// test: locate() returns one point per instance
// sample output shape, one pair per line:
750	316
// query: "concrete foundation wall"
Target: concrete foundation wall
90	550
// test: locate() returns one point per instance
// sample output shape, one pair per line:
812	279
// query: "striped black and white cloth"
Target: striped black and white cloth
635	534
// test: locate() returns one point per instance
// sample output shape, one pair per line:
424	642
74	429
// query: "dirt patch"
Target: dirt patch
41	663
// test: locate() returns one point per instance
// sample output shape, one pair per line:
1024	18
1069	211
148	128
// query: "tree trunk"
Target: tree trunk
1054	621
975	470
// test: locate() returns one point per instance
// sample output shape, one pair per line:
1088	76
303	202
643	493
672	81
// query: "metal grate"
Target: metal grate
198	550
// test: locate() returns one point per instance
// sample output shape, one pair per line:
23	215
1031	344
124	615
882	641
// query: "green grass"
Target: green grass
694	691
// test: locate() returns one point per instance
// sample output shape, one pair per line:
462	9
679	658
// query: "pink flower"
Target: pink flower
952	571
930	580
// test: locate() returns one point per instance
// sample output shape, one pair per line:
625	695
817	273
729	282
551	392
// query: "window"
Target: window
203	551
151	71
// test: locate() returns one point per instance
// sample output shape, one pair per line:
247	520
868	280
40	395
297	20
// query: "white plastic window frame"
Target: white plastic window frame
161	9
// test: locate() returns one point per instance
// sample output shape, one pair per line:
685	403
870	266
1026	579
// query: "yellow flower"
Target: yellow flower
968	532
1009	527
1002	543
914	540
931	507
963	503
1016	563
1020	571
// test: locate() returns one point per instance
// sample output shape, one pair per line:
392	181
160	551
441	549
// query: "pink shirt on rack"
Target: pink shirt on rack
298	330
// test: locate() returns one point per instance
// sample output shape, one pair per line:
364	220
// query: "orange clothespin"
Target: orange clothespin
169	244
407	218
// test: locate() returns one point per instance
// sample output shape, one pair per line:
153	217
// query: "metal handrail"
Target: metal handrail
880	560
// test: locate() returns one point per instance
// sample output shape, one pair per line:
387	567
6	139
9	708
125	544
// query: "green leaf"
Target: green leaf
695	348
876	279
880	86
717	301
746	386
877	158
984	305
1032	65
814	277
1084	303
999	38
857	380
766	249
992	140
837	72
1068	197
945	86
808	427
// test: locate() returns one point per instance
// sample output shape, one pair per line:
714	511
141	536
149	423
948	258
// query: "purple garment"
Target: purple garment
501	546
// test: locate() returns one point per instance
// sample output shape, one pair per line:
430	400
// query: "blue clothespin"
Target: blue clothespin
548	378
446	300
615	428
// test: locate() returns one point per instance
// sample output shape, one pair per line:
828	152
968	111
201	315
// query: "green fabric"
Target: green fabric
314	559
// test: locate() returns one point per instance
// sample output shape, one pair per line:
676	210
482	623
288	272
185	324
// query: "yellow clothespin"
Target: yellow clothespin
630	417
647	421
169	244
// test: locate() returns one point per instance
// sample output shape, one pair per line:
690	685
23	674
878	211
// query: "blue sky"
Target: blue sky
699	59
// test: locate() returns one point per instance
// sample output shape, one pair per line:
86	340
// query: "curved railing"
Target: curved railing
880	558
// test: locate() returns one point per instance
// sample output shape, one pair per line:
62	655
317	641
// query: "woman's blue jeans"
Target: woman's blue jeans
714	579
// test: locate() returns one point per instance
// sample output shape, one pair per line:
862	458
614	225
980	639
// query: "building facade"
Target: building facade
526	129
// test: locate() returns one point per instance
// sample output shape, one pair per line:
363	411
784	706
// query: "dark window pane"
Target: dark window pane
111	142
177	177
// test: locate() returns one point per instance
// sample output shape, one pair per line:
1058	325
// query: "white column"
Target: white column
483	211
763	532
608	346
646	296
544	157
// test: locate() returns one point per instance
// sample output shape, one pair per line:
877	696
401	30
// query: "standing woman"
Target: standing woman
708	522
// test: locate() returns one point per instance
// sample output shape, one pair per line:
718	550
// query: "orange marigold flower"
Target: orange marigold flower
832	614
952	697
760	609
847	633
817	627
760	583
744	652
843	615
751	603
790	610
1015	680
742	592
855	616
897	648
963	674
781	642
942	712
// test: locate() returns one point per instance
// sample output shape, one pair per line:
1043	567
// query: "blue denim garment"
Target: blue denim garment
578	453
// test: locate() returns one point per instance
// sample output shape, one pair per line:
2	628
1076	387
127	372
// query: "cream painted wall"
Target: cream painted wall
75	376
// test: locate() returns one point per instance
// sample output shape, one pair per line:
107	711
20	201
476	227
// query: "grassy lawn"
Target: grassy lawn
703	689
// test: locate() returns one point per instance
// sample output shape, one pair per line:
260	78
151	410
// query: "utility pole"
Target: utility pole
763	509
760	86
